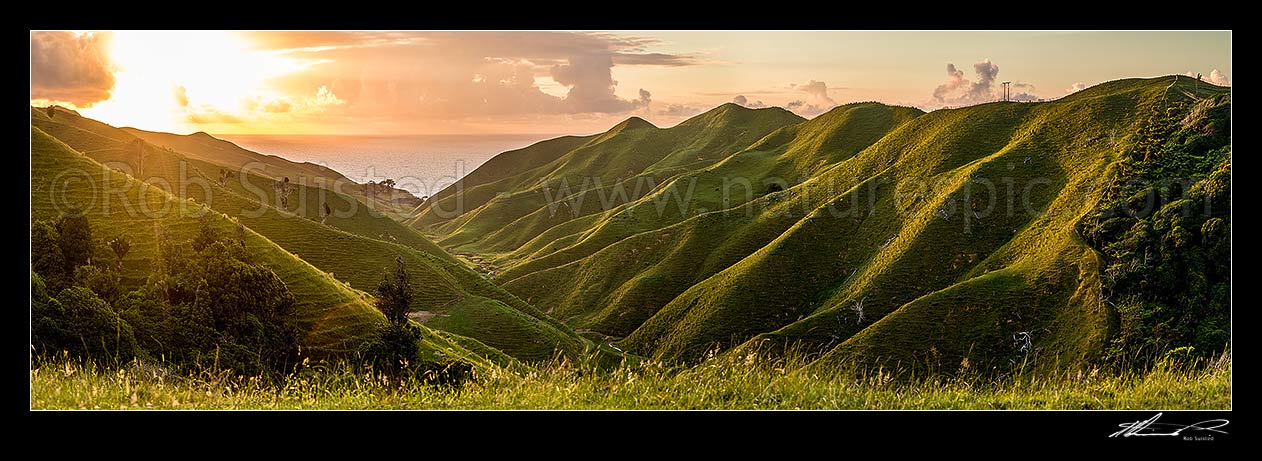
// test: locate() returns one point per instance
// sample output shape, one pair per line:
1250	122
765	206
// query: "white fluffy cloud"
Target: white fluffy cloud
958	90
740	99
1215	77
817	89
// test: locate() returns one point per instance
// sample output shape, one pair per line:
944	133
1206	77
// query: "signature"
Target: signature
1151	428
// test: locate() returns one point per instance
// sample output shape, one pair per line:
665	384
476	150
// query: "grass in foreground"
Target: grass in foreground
716	384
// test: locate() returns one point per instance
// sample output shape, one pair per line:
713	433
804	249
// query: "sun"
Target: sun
162	77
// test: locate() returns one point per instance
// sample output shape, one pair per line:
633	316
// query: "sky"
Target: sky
568	82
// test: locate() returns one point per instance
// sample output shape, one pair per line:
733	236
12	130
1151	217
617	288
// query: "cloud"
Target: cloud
324	97
277	107
1218	78
206	114
451	75
1076	87
71	67
955	80
181	95
645	98
678	110
591	85
816	89
653	59
1023	97
806	110
1215	77
960	91
740	99
819	93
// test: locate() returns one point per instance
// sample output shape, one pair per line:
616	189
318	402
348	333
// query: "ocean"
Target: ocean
420	164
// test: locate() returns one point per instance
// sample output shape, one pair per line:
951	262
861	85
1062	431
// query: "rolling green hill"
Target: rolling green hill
204	147
875	236
354	245
332	315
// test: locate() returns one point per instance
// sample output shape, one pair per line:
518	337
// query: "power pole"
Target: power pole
1005	91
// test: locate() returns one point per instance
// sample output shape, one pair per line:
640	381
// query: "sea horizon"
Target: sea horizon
422	164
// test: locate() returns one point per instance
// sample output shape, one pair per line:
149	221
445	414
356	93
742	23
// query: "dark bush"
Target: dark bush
46	257
393	349
451	373
94	329
75	239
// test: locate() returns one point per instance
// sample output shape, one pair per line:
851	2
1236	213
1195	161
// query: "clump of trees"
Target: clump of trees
1164	231
393	347
205	304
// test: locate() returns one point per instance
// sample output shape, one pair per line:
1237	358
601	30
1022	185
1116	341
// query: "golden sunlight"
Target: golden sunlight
208	75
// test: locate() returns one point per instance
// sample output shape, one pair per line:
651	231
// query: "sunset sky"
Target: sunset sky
566	82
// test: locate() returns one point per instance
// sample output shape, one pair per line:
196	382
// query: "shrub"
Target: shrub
392	349
75	240
46	257
94	329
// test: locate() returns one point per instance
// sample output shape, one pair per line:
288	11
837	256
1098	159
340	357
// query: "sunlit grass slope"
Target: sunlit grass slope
875	236
355	249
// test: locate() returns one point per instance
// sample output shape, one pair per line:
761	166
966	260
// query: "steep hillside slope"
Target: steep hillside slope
332	316
207	148
874	236
354	245
622	164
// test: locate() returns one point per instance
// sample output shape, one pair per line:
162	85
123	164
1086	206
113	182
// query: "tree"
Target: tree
326	213
75	240
240	231
389	183
393	348
48	321
206	234
46	257
394	294
94	329
103	281
283	190
138	147
121	246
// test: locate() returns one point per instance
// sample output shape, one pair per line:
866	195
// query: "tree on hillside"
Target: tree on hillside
240	231
283	190
75	235
394	294
393	347
206	234
121	246
389	183
137	147
324	216
92	327
46	257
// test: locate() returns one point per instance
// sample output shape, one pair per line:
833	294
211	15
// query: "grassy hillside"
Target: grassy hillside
204	147
874	236
354	245
622	164
332	315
